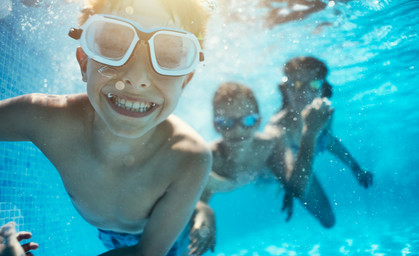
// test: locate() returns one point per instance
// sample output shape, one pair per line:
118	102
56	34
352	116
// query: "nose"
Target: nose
139	68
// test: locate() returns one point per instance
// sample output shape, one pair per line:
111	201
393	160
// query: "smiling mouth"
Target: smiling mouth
131	107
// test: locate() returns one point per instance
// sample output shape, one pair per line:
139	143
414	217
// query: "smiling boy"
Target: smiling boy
131	168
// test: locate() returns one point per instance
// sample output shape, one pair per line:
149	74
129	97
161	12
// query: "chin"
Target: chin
238	139
133	133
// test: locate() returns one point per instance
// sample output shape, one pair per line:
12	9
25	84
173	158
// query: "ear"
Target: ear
188	79
216	127
82	60
259	122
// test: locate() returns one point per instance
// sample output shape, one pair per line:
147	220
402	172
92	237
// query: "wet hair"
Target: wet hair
231	91
305	63
193	14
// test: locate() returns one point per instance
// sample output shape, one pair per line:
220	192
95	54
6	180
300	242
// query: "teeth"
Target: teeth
128	104
134	106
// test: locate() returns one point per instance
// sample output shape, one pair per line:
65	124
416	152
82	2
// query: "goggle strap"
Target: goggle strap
75	33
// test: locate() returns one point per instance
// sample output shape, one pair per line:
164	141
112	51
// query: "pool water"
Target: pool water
371	49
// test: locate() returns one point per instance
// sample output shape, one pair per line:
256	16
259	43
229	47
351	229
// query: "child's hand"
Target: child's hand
9	242
364	178
202	239
316	115
288	205
202	234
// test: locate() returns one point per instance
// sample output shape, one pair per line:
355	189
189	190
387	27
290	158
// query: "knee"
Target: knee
328	222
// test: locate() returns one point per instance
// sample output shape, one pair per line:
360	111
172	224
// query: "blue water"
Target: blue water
371	49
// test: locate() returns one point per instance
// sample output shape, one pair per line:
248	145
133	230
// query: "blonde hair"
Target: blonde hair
192	14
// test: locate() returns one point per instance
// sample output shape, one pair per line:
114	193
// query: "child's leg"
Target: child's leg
317	203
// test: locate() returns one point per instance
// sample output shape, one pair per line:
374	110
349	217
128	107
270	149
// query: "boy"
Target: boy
238	158
130	168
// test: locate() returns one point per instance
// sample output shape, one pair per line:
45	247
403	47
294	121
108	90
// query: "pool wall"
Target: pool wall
31	191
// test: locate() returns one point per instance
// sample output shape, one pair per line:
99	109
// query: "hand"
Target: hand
364	177
316	115
9	242
202	234
288	205
202	239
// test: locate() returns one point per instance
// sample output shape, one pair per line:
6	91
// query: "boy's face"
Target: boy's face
133	98
237	121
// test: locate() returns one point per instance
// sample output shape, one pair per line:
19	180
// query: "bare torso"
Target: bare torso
241	164
113	182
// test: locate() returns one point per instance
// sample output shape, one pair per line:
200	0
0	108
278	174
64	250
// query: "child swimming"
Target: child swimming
131	168
305	88
239	157
242	155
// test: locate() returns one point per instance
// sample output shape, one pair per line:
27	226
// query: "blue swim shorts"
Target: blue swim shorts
113	240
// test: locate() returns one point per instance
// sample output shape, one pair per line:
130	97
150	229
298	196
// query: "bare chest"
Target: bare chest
242	170
114	196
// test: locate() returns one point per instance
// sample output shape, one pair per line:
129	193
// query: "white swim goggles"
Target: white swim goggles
111	40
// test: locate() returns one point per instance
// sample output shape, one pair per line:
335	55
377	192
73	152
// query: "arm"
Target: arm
203	231
17	117
315	117
297	11
295	174
335	146
216	183
173	210
27	117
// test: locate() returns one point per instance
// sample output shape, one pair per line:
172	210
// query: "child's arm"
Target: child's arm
19	116
315	116
336	147
295	174
28	117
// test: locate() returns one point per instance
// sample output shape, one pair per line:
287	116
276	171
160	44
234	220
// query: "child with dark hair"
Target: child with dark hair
305	87
239	156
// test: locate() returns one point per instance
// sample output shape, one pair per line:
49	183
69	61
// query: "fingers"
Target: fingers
288	204
11	239
200	244
290	210
365	179
30	246
23	235
8	233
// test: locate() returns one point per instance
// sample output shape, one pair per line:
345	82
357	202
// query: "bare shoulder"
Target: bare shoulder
49	103
61	111
275	127
186	143
264	141
32	115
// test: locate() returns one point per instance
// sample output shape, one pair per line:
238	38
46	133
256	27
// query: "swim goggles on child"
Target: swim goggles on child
112	40
314	85
227	123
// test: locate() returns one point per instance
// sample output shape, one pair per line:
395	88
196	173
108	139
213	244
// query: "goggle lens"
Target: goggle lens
180	55
227	123
109	40
249	121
